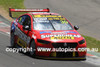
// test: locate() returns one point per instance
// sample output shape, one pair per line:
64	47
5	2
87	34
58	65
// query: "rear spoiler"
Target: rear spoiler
27	10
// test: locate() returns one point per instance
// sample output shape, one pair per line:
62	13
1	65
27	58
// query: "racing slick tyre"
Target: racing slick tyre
12	40
32	45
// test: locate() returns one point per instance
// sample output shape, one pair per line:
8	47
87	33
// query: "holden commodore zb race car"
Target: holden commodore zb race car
50	35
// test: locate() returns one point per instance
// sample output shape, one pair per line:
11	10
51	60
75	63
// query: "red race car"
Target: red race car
50	35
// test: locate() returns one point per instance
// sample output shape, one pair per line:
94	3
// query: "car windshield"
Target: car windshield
51	24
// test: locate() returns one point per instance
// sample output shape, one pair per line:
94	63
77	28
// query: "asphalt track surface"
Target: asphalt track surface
75	11
84	13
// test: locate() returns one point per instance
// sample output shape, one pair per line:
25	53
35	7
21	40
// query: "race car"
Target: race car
50	35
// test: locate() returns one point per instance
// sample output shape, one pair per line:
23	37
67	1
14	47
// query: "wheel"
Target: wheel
12	40
32	45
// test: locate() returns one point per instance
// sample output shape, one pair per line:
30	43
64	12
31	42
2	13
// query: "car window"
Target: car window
51	23
26	21
21	20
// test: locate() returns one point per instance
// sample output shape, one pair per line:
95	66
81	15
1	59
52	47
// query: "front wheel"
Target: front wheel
32	45
12	40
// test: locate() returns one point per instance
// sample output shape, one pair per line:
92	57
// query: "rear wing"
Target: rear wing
27	10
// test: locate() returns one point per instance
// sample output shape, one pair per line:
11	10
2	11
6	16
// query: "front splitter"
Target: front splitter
61	58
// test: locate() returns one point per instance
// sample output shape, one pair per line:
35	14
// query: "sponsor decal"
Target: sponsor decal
51	18
20	19
34	36
15	22
42	32
65	32
47	16
64	22
41	18
70	32
21	35
21	43
58	33
13	27
45	21
56	18
61	36
28	9
48	19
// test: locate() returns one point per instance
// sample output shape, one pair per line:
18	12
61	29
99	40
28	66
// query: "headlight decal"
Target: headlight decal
43	41
82	41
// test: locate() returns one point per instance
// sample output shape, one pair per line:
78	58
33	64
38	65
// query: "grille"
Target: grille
63	45
67	45
67	54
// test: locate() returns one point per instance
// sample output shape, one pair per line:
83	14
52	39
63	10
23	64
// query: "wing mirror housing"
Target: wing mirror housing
76	27
26	27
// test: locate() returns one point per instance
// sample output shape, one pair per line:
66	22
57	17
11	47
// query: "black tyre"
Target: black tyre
33	52
12	40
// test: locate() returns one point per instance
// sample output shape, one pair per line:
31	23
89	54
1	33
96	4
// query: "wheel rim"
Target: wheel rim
32	52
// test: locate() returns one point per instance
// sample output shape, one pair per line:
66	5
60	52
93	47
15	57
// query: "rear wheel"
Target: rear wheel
32	45
12	40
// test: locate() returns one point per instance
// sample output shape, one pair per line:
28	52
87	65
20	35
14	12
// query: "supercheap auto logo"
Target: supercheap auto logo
60	36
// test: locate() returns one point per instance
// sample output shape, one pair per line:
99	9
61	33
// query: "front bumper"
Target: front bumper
62	58
62	54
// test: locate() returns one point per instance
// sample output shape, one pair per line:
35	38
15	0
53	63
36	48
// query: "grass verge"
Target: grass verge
6	4
92	42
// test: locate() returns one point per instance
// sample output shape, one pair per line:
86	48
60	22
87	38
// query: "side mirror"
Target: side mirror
76	27
26	27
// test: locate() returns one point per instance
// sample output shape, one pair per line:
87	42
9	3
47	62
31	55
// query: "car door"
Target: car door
20	33
27	33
